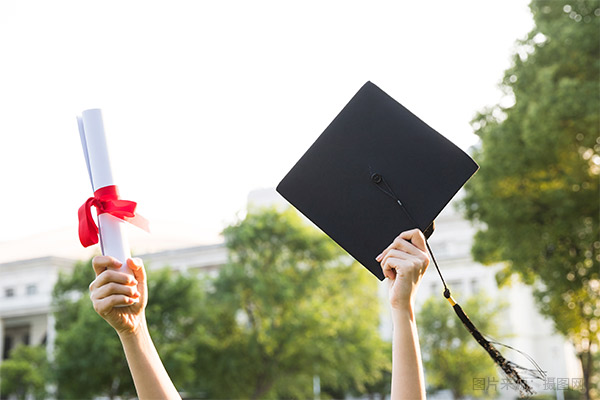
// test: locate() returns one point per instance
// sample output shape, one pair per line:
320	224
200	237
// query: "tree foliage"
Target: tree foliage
289	305
175	314
537	192
451	358
25	373
89	358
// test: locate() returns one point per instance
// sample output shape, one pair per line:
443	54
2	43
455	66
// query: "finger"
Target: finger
381	255
394	260
415	237
403	245
114	288
104	306
403	242
389	270
397	243
112	276
386	254
102	263
393	253
137	267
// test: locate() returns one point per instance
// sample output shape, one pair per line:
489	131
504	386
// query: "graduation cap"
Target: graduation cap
378	170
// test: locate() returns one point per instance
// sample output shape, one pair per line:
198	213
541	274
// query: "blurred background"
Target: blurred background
207	106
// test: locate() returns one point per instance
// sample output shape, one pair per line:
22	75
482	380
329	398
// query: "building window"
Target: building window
14	336
31	290
7	347
9	292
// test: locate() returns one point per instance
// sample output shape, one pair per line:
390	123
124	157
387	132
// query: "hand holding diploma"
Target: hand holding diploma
113	288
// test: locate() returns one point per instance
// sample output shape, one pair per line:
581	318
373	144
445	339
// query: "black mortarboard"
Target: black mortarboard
378	170
374	153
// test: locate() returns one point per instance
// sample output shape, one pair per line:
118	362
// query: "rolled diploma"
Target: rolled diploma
113	240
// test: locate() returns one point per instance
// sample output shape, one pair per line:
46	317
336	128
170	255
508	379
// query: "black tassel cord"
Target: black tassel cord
508	367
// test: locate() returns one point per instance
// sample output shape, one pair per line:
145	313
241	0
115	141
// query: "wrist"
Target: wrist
403	313
141	330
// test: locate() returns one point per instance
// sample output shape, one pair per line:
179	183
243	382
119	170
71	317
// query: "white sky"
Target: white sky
206	101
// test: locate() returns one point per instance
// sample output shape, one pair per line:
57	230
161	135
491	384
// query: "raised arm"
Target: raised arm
113	288
404	262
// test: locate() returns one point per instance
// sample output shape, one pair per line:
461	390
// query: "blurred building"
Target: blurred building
26	290
25	297
26	286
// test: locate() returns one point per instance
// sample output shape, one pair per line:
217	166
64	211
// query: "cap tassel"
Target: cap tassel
506	366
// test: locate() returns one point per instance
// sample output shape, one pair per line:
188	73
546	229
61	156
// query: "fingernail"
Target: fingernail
378	257
137	261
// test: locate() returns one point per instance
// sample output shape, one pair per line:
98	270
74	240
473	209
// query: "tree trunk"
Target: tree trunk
456	394
262	386
586	365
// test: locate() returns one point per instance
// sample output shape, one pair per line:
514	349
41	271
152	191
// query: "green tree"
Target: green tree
25	373
381	387
175	314
288	305
537	192
451	358
89	358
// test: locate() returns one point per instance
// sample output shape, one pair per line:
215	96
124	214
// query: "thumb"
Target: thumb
137	267
416	238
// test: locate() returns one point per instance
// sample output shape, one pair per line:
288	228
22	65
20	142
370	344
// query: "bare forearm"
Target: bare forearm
407	371
149	375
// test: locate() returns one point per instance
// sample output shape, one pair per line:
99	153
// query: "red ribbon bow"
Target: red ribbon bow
106	200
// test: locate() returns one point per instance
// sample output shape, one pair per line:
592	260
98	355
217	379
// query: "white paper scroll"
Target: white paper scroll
113	240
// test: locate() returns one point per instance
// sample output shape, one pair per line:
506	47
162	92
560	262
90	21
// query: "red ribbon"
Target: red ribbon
106	200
